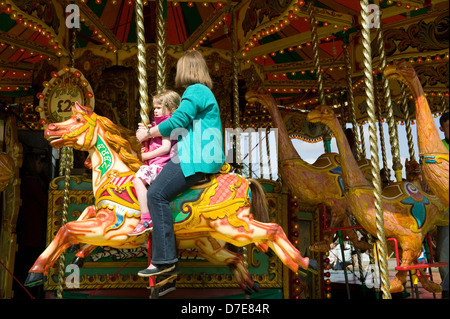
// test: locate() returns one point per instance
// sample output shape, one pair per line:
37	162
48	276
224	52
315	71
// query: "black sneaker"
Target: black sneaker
170	269
167	289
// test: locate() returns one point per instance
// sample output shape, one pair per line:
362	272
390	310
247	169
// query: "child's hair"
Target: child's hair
192	69
169	99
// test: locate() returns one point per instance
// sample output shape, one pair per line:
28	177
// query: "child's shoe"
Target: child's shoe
141	228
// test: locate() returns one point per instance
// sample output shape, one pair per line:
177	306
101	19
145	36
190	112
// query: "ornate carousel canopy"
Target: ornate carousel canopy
273	42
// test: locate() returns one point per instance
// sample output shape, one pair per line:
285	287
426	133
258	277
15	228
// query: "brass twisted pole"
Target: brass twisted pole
387	175
444	103
315	42
351	104
351	101
161	45
235	79
404	102
367	52
363	141
393	131
268	152
142	71
66	166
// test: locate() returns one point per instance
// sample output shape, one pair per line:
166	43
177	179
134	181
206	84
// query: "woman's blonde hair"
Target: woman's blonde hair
169	99
192	69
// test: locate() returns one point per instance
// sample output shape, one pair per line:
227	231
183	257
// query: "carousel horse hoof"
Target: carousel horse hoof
248	290
79	261
313	266
73	249
255	288
34	279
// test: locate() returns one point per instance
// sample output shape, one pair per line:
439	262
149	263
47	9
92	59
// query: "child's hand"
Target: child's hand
141	133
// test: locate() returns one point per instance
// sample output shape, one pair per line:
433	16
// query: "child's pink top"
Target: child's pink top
156	142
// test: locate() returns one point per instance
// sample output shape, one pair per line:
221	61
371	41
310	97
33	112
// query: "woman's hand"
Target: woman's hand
142	132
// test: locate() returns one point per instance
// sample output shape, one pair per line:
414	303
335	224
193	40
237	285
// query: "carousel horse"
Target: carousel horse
313	184
409	213
226	208
433	153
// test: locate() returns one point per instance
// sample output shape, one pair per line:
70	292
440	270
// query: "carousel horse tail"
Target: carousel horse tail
259	202
259	208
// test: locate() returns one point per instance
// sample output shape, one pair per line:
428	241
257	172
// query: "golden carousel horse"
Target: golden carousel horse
227	208
313	184
409	213
433	154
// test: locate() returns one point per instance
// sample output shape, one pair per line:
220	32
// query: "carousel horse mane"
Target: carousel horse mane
118	138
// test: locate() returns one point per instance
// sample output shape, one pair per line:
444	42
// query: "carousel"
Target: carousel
367	80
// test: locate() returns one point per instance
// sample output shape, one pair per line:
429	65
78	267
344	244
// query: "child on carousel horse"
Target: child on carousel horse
200	152
156	152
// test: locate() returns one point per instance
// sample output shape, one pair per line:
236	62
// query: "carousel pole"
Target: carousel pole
143	97
65	168
142	70
393	132
444	103
236	120
268	153
370	98
315	42
363	141
387	175
351	103
404	101
351	99
161	45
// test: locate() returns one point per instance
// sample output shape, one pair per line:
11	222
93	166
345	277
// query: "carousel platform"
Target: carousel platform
351	287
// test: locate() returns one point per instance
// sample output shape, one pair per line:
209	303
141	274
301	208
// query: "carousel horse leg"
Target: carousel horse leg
335	222
89	212
90	230
216	253
408	258
427	284
81	255
360	244
268	233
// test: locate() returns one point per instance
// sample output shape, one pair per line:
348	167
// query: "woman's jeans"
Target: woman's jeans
169	183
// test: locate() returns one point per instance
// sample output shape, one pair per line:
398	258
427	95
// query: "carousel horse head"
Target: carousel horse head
322	113
82	129
402	71
76	132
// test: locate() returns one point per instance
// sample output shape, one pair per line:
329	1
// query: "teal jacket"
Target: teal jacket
197	127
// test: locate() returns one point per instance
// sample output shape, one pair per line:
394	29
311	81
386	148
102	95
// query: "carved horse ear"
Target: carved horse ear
80	108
